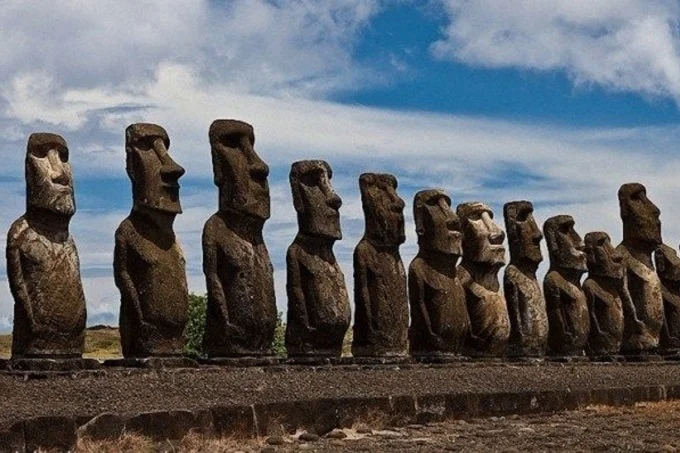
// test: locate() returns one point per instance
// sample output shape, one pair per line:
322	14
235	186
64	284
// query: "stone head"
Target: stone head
437	226
565	246
640	216
49	180
239	172
482	237
154	174
602	258
316	203
667	263
524	235
383	209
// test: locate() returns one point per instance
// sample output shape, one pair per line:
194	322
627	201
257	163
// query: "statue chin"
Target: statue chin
62	205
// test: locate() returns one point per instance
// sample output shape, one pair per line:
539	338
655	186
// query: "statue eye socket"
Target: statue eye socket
522	216
40	152
63	155
231	140
565	228
432	201
310	179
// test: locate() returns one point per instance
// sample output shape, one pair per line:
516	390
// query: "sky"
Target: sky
550	101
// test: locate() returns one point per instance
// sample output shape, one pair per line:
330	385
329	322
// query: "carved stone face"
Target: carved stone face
482	238
640	216
49	181
437	226
153	173
667	263
239	172
383	208
565	246
524	235
317	204
603	259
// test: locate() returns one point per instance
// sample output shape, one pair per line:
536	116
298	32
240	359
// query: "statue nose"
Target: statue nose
334	201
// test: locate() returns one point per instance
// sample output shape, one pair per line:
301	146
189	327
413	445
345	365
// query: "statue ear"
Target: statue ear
659	260
297	199
418	219
217	170
128	165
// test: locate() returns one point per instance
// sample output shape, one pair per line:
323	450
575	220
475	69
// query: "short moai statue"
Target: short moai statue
149	266
483	257
380	295
568	319
318	304
668	269
526	305
641	236
241	315
440	324
607	295
42	261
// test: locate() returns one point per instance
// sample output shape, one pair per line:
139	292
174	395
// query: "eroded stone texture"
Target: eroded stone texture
439	320
241	316
641	236
668	269
606	293
380	297
483	257
568	321
318	303
42	261
149	266
526	305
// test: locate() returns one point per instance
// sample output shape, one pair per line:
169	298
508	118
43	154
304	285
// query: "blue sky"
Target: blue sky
551	101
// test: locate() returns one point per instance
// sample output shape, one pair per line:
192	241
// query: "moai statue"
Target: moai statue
526	305
42	260
149	266
241	315
668	269
439	320
568	321
641	236
607	295
318	303
483	257
380	297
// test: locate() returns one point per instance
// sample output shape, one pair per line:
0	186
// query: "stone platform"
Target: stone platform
258	400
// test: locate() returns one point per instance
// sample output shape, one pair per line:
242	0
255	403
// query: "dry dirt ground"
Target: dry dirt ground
653	427
100	343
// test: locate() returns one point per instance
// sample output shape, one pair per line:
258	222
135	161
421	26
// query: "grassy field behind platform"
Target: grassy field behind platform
100	343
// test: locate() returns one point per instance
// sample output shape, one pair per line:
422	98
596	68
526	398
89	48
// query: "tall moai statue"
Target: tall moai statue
607	295
241	315
483	257
668	269
440	324
380	295
149	266
42	261
318	304
568	321
526	305
641	236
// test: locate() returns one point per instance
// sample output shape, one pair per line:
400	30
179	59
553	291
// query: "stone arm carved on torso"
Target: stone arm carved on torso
555	303
362	293
123	252
629	311
417	295
214	284
477	290
595	298
671	305
297	301
15	272
512	297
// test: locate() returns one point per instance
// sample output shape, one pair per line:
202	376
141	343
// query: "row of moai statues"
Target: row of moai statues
455	309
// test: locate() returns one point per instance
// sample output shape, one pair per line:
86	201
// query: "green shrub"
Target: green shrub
193	334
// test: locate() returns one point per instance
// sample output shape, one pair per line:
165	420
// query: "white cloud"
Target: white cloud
624	45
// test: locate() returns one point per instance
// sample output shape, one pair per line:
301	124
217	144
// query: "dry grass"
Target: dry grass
192	443
100	343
